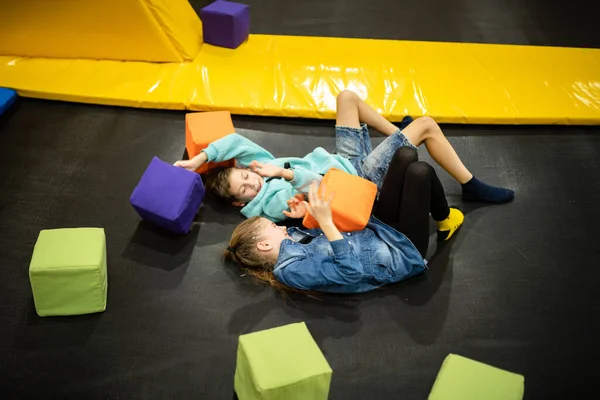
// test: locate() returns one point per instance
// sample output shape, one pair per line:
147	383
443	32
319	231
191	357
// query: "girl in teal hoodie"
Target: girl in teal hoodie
263	185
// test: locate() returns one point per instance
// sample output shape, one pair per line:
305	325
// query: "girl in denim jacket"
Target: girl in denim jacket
390	249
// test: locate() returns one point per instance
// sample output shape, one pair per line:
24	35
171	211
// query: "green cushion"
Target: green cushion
281	363
463	379
68	271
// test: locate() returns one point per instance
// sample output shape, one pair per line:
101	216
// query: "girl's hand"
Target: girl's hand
318	206
265	170
297	207
193	164
300	196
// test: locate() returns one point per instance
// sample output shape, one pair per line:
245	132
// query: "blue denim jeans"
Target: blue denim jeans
372	164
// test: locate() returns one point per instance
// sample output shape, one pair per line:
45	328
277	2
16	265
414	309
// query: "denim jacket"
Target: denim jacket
362	261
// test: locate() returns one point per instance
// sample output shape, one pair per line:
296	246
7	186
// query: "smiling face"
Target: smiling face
244	184
272	232
255	243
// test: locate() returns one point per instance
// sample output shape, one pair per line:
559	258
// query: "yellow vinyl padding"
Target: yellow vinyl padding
453	82
181	24
135	30
131	84
300	77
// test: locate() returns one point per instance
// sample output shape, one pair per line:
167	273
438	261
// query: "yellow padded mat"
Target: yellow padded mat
142	30
130	84
300	77
180	23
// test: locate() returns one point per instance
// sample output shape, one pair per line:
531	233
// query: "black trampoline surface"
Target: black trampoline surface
517	288
527	22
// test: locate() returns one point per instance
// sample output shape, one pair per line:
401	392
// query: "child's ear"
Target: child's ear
238	204
264	246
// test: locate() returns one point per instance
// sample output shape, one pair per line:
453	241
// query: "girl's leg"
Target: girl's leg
352	110
438	207
420	177
390	195
423	194
392	191
413	214
352	139
426	130
405	199
411	191
347	113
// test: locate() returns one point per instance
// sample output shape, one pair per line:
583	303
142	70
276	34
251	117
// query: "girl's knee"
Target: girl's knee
406	155
427	123
347	96
421	129
419	170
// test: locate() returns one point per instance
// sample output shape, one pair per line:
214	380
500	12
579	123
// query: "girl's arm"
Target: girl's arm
331	232
273	202
299	178
235	146
322	271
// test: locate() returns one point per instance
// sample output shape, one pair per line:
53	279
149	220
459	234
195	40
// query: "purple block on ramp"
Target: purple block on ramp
225	23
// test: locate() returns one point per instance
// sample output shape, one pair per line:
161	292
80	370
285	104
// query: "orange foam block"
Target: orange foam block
203	128
353	202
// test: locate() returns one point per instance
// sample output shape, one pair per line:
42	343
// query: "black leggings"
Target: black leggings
410	191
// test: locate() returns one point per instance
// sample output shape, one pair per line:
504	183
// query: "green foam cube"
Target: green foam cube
282	363
461	378
68	272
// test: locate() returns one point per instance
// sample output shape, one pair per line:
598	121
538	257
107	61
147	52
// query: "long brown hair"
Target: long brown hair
242	250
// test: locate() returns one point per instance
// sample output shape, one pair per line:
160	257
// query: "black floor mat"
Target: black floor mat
517	288
527	22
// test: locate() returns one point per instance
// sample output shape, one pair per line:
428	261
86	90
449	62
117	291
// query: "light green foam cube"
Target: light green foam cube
282	363
68	272
461	378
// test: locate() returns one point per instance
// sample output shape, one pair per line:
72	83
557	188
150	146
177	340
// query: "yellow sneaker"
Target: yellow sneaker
447	227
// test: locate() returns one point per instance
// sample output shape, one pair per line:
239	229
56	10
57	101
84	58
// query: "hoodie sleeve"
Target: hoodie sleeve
235	146
276	202
303	178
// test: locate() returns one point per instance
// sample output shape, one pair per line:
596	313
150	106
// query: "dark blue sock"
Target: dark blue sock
476	190
405	122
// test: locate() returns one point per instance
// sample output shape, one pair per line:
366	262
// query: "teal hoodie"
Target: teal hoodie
272	198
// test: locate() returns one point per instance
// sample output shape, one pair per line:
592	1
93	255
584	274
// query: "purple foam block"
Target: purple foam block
168	196
225	23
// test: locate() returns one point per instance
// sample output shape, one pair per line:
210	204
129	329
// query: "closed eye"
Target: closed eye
243	188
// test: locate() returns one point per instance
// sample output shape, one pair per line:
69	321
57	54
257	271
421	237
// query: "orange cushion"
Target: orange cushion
353	202
203	128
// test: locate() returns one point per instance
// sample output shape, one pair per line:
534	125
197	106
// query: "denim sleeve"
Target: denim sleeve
236	147
319	272
341	247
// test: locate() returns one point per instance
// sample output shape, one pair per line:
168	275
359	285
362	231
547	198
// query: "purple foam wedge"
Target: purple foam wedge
168	196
